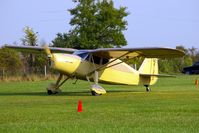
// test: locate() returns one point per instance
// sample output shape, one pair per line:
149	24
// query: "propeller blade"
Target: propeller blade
49	54
47	50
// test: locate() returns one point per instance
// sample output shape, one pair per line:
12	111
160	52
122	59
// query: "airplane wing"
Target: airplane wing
110	52
134	52
117	53
128	53
37	49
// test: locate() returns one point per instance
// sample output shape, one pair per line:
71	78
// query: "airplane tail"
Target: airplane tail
149	71
149	66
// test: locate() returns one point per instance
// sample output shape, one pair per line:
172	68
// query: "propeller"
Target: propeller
48	52
49	55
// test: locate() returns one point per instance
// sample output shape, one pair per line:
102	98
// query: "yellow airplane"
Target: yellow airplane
105	65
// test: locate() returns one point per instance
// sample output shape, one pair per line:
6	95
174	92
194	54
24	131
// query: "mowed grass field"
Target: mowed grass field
171	107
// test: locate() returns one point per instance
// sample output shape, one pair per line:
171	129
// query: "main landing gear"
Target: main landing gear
147	88
96	89
54	88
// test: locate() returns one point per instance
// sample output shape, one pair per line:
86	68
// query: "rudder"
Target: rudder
149	66
148	70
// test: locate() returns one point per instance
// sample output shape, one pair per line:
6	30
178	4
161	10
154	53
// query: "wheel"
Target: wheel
97	90
148	89
95	94
51	89
50	92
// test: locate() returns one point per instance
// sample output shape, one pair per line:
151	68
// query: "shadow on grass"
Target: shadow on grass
77	93
117	91
80	93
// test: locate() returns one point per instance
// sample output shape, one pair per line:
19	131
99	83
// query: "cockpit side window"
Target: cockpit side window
99	60
96	59
104	61
85	55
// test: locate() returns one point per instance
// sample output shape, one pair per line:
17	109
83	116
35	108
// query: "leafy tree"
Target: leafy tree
187	59
193	52
62	40
165	66
30	37
197	56
34	62
96	24
176	65
9	60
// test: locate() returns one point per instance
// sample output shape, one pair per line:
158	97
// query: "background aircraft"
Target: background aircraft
106	65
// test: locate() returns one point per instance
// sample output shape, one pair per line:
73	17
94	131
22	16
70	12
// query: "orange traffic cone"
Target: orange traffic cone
79	108
196	82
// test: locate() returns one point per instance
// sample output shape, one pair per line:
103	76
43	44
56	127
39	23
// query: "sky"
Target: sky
151	23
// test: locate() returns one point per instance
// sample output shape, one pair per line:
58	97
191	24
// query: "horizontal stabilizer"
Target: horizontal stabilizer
157	75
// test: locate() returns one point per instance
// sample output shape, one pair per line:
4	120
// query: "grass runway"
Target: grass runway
171	107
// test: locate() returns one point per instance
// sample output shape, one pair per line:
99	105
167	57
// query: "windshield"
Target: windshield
82	54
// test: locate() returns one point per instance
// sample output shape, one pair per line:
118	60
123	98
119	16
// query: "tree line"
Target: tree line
94	24
16	63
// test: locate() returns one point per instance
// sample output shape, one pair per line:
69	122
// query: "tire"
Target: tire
94	93
50	92
148	89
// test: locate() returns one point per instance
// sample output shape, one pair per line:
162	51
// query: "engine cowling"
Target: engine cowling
65	63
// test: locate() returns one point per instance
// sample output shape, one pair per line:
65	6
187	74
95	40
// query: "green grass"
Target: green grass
172	106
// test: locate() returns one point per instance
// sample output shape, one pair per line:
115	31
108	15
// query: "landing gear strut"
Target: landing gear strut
54	88
147	88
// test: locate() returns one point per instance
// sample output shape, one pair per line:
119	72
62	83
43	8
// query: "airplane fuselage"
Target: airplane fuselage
75	66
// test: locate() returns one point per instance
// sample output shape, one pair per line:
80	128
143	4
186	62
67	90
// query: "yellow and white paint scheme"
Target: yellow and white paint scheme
65	63
73	65
104	65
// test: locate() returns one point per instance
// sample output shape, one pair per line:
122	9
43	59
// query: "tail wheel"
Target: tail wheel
147	88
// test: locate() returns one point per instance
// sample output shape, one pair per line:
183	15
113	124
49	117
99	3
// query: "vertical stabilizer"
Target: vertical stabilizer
149	66
149	71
